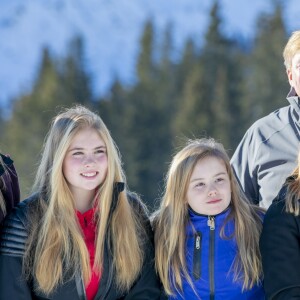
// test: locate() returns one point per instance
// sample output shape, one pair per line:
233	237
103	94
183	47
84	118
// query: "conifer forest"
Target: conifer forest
216	90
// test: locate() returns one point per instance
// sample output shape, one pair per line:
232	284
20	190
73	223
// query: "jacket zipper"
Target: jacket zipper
197	256
80	287
84	291
211	224
108	285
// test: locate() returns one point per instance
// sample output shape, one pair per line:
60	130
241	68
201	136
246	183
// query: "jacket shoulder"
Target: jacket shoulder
14	232
137	204
277	214
276	121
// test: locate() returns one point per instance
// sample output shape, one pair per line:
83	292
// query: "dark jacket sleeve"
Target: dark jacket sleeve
12	246
147	286
10	190
280	250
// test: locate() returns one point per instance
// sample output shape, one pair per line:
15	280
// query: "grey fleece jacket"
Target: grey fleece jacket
268	153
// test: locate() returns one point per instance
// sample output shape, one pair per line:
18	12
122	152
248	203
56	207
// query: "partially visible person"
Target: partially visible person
206	232
268	152
9	186
280	242
82	234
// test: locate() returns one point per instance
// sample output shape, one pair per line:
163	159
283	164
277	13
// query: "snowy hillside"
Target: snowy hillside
111	31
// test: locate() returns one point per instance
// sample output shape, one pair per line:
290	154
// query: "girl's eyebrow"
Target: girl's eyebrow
82	148
200	178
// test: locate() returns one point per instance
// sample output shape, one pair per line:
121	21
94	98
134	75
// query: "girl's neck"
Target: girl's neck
211	215
84	200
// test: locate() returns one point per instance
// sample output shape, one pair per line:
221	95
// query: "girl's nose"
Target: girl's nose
212	191
89	160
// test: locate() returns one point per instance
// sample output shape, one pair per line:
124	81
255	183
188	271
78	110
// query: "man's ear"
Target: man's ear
290	76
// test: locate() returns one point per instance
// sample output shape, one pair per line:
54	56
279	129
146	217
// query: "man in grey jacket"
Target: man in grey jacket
268	152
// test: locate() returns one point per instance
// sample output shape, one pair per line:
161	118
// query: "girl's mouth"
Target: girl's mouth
214	201
89	174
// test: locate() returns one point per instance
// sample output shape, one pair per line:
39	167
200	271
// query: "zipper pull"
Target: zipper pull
211	222
197	256
197	244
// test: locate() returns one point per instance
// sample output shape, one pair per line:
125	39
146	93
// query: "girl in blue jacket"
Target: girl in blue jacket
206	231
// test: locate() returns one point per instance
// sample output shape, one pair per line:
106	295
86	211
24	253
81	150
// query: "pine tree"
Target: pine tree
60	83
210	103
186	65
76	82
145	63
267	82
192	119
31	114
112	109
148	112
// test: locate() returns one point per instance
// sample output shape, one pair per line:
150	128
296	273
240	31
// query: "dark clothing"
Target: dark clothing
280	250
9	185
13	286
268	153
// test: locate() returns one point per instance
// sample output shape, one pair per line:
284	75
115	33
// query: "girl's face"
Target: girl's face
209	191
85	163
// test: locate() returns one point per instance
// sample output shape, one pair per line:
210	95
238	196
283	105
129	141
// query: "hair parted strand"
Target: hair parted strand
292	197
2	187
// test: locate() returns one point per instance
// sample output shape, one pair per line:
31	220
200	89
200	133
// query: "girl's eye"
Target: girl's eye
77	153
219	180
200	184
100	151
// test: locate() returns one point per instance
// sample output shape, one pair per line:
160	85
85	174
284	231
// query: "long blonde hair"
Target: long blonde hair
293	191
56	245
172	218
2	186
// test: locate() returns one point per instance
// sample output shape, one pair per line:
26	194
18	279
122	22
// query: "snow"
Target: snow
111	30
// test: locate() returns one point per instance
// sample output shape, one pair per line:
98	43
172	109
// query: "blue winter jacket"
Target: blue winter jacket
210	261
